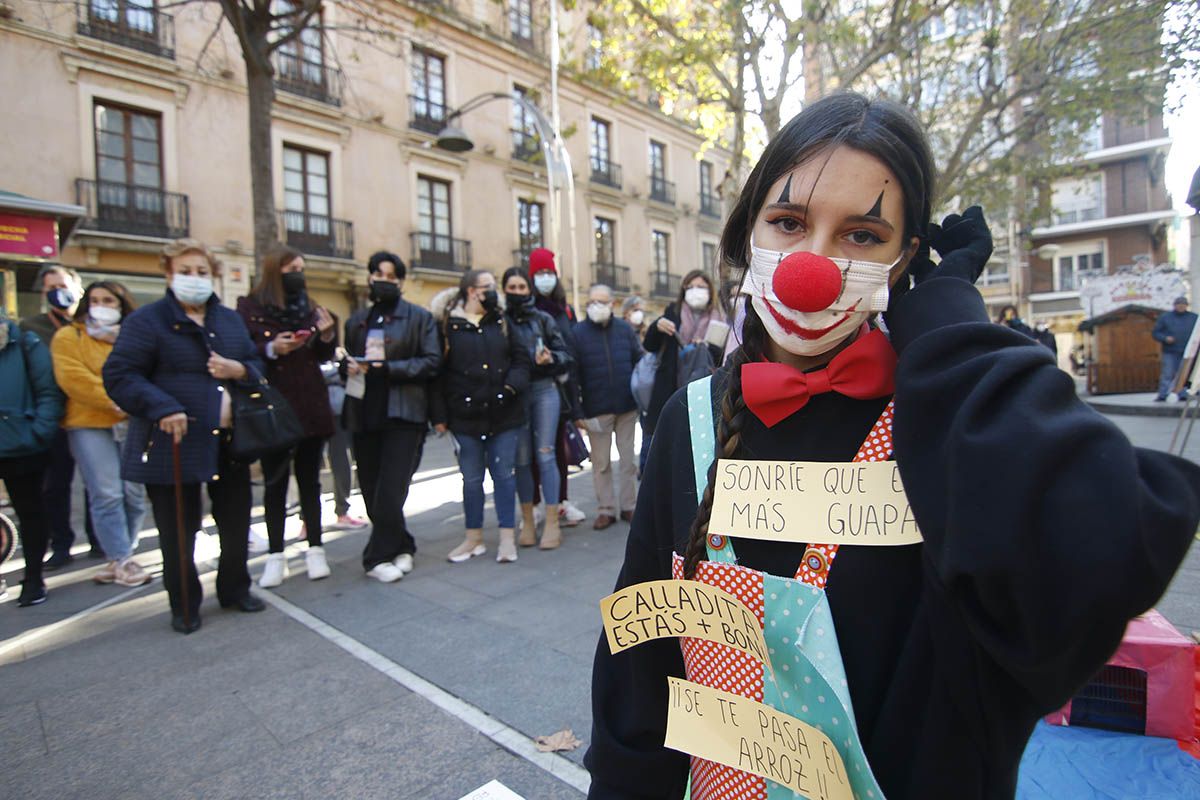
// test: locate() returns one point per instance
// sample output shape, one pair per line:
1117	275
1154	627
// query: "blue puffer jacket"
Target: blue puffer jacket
606	355
30	402
1175	325
159	367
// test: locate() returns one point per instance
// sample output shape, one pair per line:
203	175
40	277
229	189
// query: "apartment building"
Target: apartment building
1114	214
139	115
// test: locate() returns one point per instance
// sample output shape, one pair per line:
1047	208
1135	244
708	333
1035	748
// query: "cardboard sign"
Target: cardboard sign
813	502
747	735
492	790
657	609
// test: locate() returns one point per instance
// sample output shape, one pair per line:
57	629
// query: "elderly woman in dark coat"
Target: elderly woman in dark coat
170	370
293	337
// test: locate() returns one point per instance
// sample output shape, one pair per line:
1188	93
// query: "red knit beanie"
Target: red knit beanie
541	259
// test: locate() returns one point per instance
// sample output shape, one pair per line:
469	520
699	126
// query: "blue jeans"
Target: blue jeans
497	452
538	434
117	506
1170	368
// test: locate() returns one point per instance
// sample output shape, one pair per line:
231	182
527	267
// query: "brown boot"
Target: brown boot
551	534
528	526
507	551
471	546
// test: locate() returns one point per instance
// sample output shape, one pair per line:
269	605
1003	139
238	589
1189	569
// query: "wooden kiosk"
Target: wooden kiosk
1124	358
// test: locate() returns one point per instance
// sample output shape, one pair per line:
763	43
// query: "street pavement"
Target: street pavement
427	688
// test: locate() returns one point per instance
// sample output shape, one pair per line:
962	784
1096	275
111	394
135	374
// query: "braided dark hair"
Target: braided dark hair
729	432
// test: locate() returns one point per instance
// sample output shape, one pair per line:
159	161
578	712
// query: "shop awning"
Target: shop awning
35	229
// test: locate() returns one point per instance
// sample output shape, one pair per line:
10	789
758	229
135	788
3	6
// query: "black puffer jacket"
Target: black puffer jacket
485	372
526	326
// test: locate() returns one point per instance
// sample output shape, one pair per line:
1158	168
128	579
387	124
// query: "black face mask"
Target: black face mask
490	300
384	292
293	283
517	302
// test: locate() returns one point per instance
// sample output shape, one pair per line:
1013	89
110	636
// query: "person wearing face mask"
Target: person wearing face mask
919	666
96	428
293	336
608	349
479	398
31	406
394	355
551	298
535	330
61	289
684	323
170	370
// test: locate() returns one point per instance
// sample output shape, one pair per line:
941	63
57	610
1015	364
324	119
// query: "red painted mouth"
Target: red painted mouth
805	333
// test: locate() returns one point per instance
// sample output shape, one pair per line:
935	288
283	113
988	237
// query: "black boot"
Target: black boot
190	625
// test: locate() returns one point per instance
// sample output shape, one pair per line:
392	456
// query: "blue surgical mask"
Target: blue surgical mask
192	290
545	281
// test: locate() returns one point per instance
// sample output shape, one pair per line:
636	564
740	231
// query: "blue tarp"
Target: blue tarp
1088	764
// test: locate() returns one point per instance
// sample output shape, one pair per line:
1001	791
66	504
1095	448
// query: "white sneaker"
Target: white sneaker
257	543
386	572
275	571
403	562
539	514
571	515
314	561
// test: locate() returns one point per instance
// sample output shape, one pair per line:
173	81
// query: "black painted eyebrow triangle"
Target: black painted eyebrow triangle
877	209
786	195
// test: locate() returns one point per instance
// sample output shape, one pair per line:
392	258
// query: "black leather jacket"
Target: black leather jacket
413	355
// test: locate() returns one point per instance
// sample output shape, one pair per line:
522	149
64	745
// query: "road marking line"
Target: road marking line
509	738
37	633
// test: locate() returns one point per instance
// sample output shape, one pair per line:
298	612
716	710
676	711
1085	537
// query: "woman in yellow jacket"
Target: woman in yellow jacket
96	428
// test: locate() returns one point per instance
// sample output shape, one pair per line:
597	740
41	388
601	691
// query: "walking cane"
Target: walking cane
183	573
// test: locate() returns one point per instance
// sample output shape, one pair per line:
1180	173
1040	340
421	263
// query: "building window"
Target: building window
433	215
132	23
994	274
661	242
128	147
428	98
526	144
595	41
306	200
1077	199
300	63
599	144
529	225
708	198
606	251
520	20
661	189
708	258
1072	269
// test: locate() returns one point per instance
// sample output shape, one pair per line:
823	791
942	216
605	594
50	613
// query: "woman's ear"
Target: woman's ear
904	262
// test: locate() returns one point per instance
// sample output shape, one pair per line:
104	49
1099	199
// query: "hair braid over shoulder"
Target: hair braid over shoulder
729	434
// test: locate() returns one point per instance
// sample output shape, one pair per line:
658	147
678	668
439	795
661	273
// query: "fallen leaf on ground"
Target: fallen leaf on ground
559	742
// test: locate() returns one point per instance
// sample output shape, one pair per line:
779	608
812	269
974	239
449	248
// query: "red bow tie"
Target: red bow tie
864	370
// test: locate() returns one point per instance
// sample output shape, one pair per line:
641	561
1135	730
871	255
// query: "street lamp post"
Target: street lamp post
554	150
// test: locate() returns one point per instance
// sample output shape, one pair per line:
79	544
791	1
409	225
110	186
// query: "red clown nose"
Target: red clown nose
807	282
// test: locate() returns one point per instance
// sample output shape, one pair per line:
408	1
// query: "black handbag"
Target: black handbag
263	421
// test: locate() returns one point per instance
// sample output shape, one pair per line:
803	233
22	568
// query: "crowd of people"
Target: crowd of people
144	401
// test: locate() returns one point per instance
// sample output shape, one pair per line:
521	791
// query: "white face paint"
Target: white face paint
801	333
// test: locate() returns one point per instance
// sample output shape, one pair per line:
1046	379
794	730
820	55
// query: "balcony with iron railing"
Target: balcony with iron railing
317	235
128	209
520	255
710	205
527	147
426	115
662	190
308	79
664	285
606	173
146	29
441	253
614	276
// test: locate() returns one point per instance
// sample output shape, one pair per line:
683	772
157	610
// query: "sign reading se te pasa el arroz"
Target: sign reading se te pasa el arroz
813	502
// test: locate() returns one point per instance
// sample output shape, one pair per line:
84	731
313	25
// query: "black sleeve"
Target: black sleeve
553	339
422	364
627	759
519	363
1045	529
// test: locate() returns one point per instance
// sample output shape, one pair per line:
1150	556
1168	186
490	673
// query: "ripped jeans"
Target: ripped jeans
495	453
537	435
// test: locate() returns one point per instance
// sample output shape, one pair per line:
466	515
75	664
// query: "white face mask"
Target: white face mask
636	317
104	315
193	290
545	281
696	297
809	333
599	313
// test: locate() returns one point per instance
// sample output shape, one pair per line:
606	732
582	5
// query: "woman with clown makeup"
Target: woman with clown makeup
923	666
